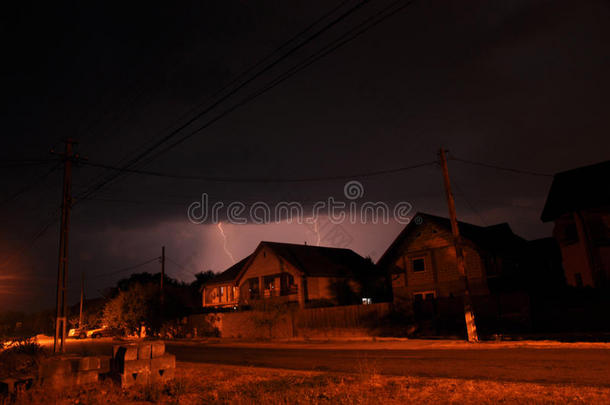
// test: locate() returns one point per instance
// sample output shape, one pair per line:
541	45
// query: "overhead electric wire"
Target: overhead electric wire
258	64
122	270
25	162
173	133
335	44
35	237
507	169
262	179
30	186
467	201
184	269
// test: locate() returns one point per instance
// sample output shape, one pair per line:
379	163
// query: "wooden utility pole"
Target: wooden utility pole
62	268
471	327
162	271
82	297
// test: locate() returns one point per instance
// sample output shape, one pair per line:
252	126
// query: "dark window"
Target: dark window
429	296
570	234
491	266
599	229
253	288
418	264
287	284
578	279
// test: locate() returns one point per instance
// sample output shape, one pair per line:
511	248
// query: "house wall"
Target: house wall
584	239
266	263
435	246
319	288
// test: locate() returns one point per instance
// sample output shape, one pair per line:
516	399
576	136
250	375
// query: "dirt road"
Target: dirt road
559	364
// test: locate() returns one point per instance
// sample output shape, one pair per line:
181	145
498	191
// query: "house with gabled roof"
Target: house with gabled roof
579	204
422	261
303	274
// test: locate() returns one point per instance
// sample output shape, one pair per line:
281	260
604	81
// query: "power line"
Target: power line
507	169
222	179
337	43
256	65
28	245
180	266
471	206
25	162
122	270
268	67
30	186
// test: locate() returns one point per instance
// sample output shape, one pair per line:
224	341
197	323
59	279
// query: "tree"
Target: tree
140	305
132	308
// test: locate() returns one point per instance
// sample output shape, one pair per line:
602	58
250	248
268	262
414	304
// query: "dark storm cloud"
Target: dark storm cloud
517	83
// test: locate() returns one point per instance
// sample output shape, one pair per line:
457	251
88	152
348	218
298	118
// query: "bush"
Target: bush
20	357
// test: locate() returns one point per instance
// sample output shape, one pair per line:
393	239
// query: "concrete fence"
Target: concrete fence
351	320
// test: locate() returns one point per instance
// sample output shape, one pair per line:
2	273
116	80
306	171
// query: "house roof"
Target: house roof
229	274
310	260
497	238
319	260
577	189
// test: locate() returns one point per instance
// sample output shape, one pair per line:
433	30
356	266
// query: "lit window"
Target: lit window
424	295
367	301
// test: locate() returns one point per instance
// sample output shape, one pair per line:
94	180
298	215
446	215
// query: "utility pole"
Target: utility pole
62	268
471	327
82	297
162	271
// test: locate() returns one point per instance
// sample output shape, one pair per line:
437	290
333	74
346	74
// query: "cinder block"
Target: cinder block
85	363
165	362
85	377
131	379
144	351
57	366
158	349
125	352
7	385
134	366
163	375
11	385
104	364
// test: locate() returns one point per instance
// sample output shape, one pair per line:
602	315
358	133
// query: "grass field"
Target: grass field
214	384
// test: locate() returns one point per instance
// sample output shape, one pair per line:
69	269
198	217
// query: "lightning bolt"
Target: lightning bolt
316	229
224	243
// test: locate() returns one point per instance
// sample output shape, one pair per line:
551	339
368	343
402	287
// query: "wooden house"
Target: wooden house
422	260
307	275
579	205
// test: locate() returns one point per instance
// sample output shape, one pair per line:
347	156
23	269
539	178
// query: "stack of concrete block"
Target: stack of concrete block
9	386
71	370
143	363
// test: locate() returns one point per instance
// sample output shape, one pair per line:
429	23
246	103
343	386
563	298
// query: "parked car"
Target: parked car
82	333
77	333
102	332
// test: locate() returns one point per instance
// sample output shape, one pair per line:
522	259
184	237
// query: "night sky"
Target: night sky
521	84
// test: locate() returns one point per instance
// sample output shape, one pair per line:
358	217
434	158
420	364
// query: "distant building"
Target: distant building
307	275
422	260
579	204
